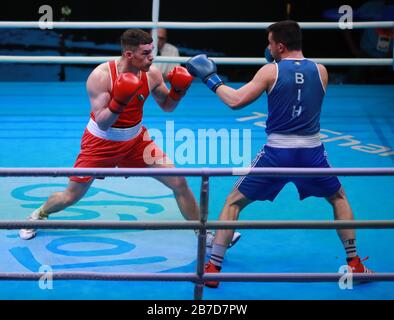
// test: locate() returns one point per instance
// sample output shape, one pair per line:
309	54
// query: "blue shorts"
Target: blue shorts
267	188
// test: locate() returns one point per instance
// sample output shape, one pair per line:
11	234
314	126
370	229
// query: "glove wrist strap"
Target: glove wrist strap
175	95
214	82
115	107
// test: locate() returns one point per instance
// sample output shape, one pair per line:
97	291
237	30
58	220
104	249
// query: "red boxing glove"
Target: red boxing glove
180	80
125	87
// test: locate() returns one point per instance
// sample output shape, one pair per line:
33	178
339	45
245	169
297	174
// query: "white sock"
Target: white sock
350	248
39	213
217	254
208	231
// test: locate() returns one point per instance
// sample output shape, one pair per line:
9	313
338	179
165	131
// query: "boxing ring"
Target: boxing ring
380	166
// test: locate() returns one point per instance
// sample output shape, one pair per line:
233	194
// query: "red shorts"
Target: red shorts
100	153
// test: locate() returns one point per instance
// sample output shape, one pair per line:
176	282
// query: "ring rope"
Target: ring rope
169	59
228	276
128	172
187	25
190	225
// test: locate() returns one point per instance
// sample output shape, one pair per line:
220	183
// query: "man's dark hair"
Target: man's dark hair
287	32
132	38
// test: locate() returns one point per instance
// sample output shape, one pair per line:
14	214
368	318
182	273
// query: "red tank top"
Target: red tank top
132	114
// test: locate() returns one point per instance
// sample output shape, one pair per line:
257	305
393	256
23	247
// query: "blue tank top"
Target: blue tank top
294	103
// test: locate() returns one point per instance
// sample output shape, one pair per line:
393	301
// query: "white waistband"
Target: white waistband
293	141
114	134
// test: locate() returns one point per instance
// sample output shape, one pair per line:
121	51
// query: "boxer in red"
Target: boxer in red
114	136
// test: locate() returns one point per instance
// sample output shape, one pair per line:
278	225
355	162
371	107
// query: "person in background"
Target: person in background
165	49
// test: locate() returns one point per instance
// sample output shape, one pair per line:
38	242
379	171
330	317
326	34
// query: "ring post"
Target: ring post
155	20
202	237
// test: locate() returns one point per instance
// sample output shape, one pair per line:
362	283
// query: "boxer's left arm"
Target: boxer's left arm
323	75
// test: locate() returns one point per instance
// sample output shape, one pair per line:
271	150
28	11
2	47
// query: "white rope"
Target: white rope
191	225
154	172
168	59
55	59
188	276
188	25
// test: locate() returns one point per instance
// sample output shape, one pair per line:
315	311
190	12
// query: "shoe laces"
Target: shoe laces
364	259
366	270
360	261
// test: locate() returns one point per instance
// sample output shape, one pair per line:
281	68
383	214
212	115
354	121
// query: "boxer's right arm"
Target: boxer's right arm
201	67
261	82
125	87
99	92
205	69
106	110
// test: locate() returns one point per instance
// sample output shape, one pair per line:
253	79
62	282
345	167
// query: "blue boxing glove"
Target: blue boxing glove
205	69
268	55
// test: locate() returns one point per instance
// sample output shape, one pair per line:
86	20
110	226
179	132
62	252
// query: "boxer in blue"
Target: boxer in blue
295	87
